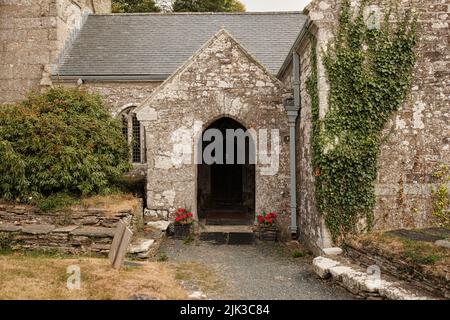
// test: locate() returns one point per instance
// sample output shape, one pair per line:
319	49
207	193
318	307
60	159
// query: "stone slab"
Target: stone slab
65	229
122	250
94	232
322	265
214	237
160	225
438	232
241	238
414	235
443	243
9	228
38	229
333	251
141	245
120	229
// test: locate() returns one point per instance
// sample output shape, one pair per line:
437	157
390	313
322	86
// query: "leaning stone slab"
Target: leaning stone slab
142	245
38	229
160	225
334	251
66	229
9	228
322	265
94	232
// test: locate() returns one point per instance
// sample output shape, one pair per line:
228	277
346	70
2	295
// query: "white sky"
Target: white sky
275	5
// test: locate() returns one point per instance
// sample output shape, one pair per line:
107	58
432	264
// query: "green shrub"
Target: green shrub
298	254
60	141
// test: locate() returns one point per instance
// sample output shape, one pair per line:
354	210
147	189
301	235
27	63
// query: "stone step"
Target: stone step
367	283
228	234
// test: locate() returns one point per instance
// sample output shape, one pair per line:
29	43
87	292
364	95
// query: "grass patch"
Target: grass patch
43	275
421	253
113	202
298	254
425	254
201	276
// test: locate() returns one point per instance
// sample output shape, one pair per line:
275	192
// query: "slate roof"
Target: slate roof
153	46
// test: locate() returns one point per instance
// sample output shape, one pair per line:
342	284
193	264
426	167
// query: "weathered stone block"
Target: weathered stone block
322	265
38	229
93	232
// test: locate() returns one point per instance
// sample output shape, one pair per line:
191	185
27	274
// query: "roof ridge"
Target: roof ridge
197	13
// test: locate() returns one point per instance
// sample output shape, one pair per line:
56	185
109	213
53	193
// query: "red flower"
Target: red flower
267	218
180	211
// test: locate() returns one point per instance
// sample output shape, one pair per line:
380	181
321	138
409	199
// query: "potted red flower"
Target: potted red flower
183	222
267	226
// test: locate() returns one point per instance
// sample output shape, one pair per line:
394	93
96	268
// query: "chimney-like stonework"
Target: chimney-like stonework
33	35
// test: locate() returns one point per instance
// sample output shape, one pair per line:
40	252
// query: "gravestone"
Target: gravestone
119	245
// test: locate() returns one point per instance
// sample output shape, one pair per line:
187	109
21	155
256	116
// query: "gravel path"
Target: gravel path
261	271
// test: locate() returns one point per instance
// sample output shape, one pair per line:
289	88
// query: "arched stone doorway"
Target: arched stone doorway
226	187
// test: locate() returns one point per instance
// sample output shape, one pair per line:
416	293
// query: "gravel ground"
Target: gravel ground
261	271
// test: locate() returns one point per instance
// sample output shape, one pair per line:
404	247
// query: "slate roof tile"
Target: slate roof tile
157	44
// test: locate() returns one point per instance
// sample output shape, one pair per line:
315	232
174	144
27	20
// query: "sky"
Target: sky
274	5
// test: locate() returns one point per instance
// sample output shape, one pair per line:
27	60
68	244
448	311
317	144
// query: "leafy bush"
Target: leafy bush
60	141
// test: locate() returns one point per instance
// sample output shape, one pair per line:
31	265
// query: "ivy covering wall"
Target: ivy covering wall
369	73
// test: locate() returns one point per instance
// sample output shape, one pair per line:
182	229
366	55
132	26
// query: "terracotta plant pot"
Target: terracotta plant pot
181	231
268	233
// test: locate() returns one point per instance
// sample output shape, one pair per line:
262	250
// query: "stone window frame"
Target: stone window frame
126	113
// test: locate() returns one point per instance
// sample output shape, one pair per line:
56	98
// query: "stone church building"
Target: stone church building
170	77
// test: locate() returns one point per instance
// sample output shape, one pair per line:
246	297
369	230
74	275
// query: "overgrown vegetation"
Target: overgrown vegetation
136	6
441	200
58	144
208	6
369	73
414	251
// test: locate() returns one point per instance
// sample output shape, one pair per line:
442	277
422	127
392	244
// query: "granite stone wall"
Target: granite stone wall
221	80
416	138
33	34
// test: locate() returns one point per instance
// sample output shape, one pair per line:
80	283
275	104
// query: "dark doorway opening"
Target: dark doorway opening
226	190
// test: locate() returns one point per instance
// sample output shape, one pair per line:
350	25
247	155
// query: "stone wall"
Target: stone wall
221	80
417	137
118	95
74	230
311	225
32	36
